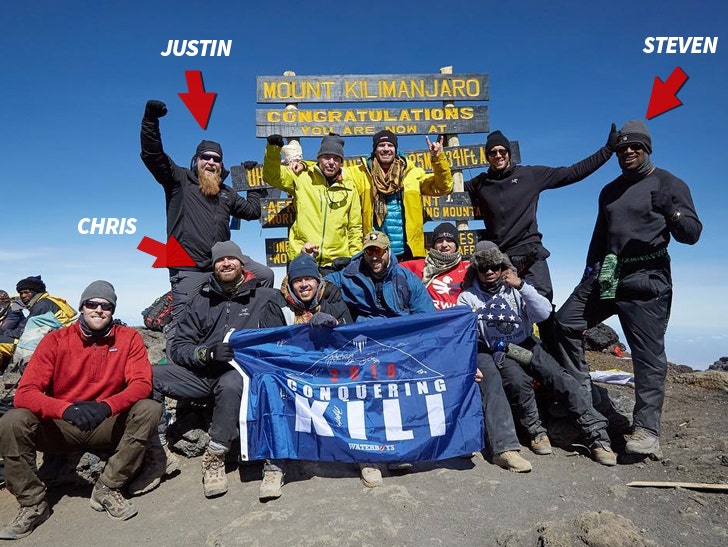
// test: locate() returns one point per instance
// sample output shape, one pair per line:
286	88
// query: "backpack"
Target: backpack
159	314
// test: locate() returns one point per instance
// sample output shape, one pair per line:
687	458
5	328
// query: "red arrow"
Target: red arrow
663	96
171	255
197	101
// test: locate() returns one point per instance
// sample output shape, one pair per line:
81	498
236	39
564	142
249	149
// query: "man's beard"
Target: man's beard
209	182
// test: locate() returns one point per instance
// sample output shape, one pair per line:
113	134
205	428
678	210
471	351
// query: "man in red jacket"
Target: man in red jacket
87	385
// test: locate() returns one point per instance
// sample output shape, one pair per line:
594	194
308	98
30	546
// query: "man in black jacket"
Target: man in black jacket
199	207
230	300
628	274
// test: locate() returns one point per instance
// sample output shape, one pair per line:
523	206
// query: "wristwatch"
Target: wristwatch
675	216
201	354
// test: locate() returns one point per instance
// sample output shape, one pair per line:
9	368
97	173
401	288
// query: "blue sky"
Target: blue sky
78	74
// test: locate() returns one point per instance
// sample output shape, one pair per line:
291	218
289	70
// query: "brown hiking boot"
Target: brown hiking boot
511	460
603	454
642	441
158	462
371	476
214	479
27	519
270	488
541	445
110	500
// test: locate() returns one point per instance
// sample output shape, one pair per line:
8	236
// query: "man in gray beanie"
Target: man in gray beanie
199	207
628	274
328	212
230	299
86	386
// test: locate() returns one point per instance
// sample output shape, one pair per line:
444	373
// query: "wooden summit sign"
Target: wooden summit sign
382	88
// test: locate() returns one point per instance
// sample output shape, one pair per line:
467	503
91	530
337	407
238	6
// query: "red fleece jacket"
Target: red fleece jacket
67	367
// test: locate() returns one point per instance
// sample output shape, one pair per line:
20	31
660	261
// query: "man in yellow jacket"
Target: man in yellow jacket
391	190
328	211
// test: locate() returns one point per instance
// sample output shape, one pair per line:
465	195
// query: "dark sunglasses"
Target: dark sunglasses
375	251
93	304
635	146
210	157
486	269
494	153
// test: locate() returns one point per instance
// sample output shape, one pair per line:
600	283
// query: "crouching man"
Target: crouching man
86	386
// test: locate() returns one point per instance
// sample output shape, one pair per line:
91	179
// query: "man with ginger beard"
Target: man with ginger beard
198	206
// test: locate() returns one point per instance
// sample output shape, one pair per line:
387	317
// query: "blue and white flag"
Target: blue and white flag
384	390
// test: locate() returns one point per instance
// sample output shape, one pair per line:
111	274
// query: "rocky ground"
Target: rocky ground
568	500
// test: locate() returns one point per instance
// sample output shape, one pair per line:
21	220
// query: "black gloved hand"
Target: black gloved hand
220	353
87	415
261	193
275	140
250	164
340	263
612	139
322	319
662	203
155	110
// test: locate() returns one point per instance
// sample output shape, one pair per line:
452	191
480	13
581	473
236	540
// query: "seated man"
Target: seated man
33	295
507	308
306	297
231	299
86	386
375	285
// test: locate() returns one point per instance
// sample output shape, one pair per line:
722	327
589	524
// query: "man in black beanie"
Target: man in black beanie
628	274
198	206
328	211
507	197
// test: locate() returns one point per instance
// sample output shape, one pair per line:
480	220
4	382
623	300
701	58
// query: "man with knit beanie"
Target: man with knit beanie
391	189
443	269
33	295
87	386
328	211
198	206
628	274
230	299
507	197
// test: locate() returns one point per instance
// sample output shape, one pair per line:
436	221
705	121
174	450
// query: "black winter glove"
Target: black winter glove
662	203
155	110
340	263
262	193
612	139
87	415
275	140
220	353
250	164
322	319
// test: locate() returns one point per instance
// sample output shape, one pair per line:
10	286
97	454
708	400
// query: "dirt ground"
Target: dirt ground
567	500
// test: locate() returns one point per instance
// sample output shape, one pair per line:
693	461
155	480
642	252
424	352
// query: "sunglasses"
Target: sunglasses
498	152
375	251
210	157
93	304
486	269
635	146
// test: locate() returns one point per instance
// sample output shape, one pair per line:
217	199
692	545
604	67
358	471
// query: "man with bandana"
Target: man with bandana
199	207
87	386
628	274
391	190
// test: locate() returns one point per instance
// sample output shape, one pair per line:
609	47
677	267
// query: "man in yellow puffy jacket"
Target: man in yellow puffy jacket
391	190
328	211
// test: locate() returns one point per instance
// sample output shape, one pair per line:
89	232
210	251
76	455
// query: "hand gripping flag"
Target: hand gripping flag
384	390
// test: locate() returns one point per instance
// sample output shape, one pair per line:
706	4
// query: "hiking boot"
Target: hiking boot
511	460
270	488
371	476
158	462
541	445
110	500
641	441
214	479
603	454
27	519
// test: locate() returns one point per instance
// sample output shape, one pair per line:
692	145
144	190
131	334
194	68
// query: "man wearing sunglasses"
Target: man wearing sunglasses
628	274
85	388
507	198
328	211
199	207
